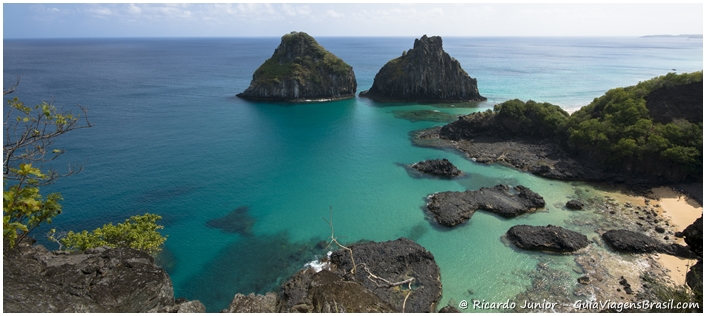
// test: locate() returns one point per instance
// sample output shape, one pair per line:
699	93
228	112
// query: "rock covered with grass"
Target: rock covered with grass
301	70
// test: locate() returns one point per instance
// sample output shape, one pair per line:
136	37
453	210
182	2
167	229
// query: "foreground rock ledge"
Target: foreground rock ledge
395	261
453	208
99	280
547	238
424	73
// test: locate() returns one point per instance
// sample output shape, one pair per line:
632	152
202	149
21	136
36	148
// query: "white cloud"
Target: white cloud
334	14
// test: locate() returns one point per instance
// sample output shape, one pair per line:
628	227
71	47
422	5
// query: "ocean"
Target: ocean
171	138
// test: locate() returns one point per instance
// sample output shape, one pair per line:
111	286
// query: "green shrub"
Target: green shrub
138	232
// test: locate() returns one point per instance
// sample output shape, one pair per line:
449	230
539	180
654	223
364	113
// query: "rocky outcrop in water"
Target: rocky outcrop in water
424	73
548	238
453	208
438	167
574	205
301	70
96	280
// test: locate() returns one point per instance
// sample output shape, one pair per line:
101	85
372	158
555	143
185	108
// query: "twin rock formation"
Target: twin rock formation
302	70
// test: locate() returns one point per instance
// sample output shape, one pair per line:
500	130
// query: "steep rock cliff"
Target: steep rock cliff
300	70
424	73
99	280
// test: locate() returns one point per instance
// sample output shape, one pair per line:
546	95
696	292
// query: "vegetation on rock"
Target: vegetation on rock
619	129
616	130
137	232
300	68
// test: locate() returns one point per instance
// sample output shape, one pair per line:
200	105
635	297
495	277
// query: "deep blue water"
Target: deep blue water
170	138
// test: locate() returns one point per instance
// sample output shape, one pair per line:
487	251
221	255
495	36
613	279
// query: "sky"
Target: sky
60	20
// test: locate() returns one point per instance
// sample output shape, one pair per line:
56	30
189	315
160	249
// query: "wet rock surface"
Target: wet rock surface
453	208
438	167
96	280
424	73
548	238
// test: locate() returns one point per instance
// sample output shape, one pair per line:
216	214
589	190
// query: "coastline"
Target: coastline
679	211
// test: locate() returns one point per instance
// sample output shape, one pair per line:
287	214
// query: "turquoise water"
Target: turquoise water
170	138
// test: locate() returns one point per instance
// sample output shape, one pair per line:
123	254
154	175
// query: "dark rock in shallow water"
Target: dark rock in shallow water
574	205
300	70
453	208
584	280
634	242
96	280
395	261
551	238
424	73
438	167
238	221
631	242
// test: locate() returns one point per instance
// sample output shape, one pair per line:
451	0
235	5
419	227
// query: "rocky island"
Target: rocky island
301	70
424	73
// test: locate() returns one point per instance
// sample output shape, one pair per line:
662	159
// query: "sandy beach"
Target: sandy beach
680	211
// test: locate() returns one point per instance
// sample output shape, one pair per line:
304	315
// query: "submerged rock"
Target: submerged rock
238	221
424	73
438	167
453	208
550	238
96	280
301	70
